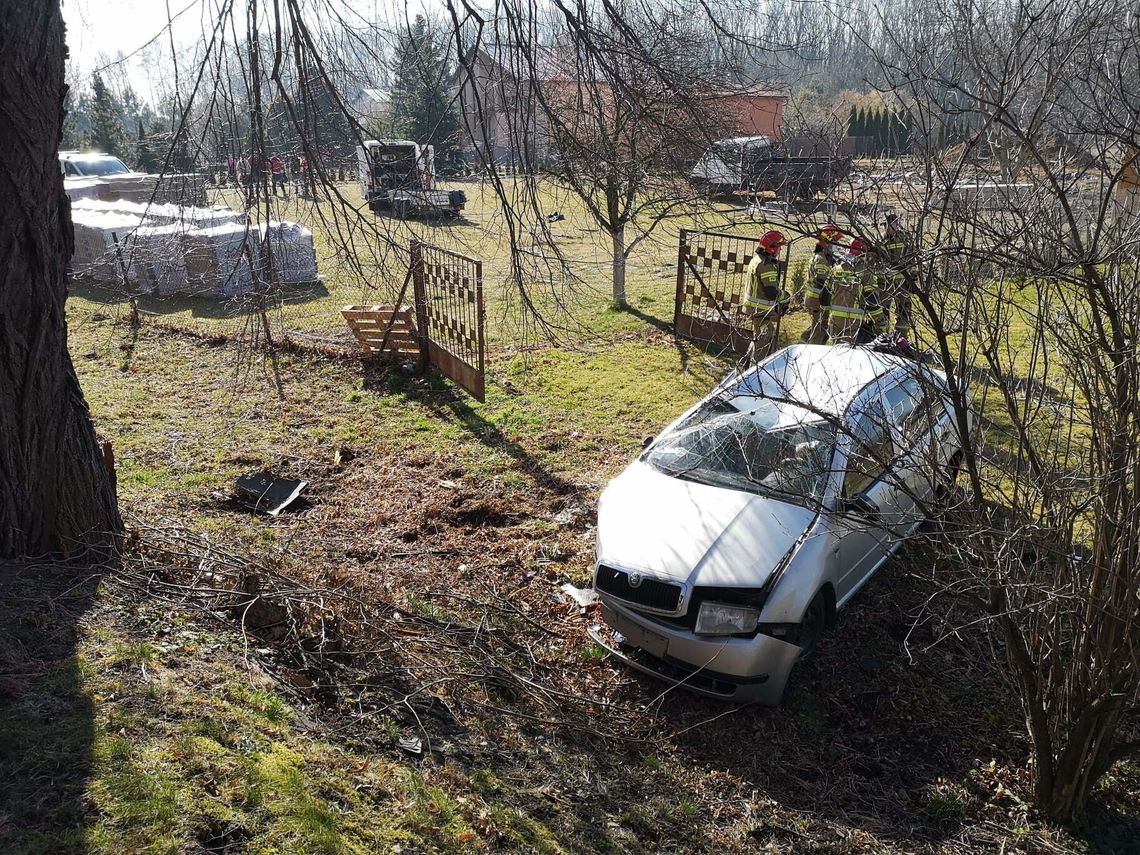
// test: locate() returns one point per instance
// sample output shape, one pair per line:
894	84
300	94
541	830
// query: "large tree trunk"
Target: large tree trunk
56	494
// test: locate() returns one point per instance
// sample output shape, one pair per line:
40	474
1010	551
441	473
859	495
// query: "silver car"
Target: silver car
728	546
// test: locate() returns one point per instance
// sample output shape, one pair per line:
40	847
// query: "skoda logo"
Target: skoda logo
635	580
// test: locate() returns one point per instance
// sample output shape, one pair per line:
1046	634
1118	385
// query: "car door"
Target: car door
914	409
865	508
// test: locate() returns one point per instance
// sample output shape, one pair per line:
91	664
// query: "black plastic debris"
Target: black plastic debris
266	493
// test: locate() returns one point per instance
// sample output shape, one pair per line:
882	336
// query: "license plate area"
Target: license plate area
636	635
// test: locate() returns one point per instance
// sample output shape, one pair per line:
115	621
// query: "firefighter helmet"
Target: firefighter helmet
828	235
858	247
770	242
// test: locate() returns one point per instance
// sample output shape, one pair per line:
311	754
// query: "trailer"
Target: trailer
751	165
398	177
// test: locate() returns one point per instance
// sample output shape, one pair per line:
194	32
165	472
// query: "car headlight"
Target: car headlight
725	619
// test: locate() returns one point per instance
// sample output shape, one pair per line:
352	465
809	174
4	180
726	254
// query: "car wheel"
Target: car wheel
812	625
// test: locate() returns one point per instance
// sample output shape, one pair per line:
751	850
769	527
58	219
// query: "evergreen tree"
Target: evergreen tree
852	127
422	108
76	120
106	129
861	122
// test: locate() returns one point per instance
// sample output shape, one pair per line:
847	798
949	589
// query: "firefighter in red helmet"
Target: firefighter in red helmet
846	284
765	300
817	297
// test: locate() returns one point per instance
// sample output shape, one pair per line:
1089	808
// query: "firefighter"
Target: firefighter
846	286
874	320
765	299
897	279
817	297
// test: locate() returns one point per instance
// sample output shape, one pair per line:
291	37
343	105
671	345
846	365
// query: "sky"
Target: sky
99	30
103	28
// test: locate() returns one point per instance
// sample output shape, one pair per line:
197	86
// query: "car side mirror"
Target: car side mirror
648	441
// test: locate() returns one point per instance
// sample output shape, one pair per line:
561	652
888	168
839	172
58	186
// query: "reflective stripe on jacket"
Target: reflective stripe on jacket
818	273
763	283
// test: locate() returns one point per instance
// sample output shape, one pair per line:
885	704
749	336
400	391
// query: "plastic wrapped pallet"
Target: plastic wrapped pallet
81	207
290	251
95	235
163	213
216	261
155	261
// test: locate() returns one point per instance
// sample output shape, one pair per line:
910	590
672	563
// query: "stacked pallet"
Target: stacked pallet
217	260
98	237
154	260
370	323
289	247
180	249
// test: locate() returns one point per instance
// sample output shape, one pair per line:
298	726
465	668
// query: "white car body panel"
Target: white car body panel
693	533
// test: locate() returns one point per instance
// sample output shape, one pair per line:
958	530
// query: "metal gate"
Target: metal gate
710	289
449	312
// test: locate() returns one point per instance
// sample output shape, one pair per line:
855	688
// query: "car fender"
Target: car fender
810	567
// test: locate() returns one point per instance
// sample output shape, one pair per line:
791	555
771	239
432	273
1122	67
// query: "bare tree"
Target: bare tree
1028	282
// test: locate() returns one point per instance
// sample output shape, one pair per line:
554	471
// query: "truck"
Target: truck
398	176
750	165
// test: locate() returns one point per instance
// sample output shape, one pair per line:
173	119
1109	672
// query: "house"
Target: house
505	94
752	111
497	97
367	104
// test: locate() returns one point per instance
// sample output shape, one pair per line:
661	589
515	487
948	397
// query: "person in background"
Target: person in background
277	168
817	296
875	319
765	300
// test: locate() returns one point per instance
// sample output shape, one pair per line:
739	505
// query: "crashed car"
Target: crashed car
725	550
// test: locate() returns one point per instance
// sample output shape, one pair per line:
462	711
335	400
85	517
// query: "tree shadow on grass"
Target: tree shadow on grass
451	404
291	294
46	721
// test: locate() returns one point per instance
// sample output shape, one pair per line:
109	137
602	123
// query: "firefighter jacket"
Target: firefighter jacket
893	253
764	289
846	283
819	270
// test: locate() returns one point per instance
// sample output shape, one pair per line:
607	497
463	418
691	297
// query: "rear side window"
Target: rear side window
914	407
871	450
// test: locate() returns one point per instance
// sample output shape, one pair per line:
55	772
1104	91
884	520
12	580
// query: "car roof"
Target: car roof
821	378
67	155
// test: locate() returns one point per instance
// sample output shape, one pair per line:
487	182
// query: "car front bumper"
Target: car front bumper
741	670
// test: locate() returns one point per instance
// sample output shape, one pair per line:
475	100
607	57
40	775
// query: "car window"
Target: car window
914	407
871	449
99	166
769	447
68	169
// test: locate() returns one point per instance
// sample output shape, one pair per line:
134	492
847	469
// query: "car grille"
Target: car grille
651	593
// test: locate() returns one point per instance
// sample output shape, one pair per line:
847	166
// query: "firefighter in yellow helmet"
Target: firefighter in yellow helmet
846	284
897	278
817	297
765	300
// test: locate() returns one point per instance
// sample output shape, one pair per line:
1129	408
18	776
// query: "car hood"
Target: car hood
688	532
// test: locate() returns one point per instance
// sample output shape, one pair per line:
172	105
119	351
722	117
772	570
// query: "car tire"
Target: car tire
812	626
